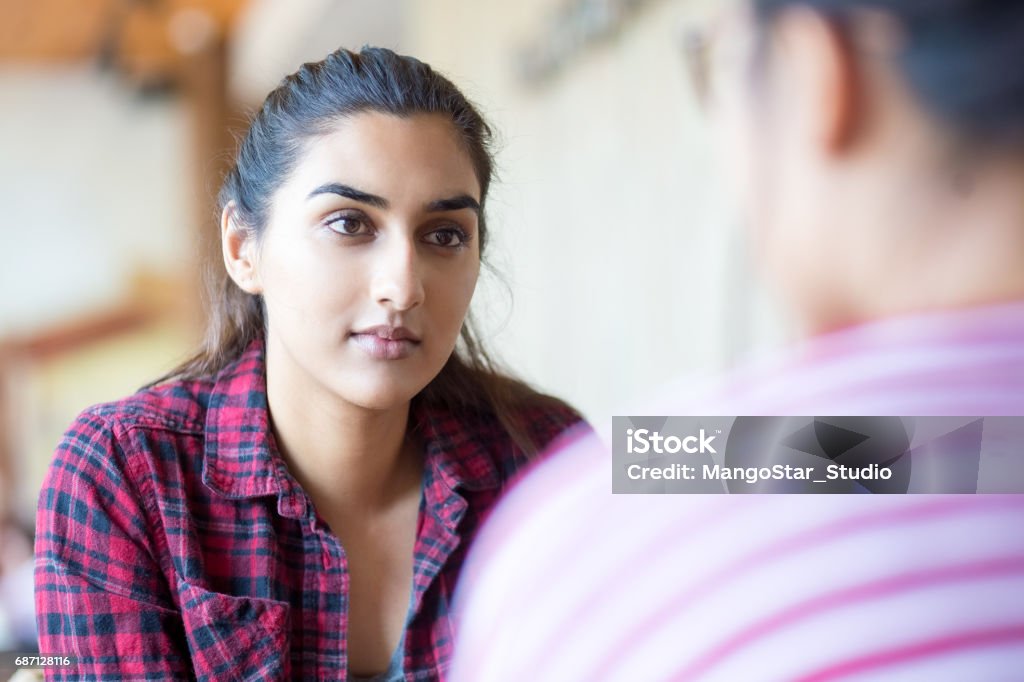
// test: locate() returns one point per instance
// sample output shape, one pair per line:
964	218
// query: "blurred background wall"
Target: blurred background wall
620	247
618	256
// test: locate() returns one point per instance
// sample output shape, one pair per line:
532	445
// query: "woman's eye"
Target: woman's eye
349	225
449	236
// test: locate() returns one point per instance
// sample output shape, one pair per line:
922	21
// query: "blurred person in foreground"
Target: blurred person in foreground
878	146
295	502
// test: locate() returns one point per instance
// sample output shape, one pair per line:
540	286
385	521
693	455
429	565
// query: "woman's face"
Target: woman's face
370	257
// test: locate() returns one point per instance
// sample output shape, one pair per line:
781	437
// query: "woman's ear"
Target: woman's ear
826	89
238	245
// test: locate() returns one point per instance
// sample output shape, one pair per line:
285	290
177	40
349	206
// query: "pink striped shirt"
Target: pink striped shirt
570	582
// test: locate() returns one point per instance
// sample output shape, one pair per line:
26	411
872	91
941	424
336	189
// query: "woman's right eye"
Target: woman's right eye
349	225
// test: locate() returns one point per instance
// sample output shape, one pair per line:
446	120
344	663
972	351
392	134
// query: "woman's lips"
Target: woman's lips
385	343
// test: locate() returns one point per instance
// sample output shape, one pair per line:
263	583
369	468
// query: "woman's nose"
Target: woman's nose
397	281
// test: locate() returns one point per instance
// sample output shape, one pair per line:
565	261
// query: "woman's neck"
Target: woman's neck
920	247
348	458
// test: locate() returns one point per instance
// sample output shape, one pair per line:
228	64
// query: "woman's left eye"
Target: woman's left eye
450	237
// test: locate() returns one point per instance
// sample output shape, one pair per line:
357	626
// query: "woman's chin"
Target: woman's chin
380	395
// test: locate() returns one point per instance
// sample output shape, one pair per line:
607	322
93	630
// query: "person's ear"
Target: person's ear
238	245
825	86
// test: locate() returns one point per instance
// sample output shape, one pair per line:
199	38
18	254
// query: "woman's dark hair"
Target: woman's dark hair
307	104
964	59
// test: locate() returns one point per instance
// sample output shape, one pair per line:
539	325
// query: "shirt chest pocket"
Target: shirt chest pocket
235	638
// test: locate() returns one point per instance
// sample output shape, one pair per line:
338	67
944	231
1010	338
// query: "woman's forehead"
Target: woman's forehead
383	153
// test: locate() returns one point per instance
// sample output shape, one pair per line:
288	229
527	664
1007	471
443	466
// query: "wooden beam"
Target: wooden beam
135	31
72	335
52	30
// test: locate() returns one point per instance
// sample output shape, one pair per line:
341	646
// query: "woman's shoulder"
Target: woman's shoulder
527	420
119	428
547	419
122	447
174	405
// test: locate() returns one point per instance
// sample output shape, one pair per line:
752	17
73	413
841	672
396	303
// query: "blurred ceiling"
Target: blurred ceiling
274	37
139	38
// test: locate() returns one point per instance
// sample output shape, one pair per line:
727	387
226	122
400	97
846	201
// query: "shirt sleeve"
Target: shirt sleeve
101	596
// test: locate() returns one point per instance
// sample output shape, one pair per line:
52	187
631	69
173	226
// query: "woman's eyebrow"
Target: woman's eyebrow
454	204
350	193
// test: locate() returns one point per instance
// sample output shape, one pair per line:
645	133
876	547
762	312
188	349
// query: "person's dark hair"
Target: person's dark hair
306	104
962	58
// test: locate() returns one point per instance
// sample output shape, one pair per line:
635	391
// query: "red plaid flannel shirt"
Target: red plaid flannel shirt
172	542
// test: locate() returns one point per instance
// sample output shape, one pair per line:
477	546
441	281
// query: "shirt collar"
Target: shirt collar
241	458
992	324
458	449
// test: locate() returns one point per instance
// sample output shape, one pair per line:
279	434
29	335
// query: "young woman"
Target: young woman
295	501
